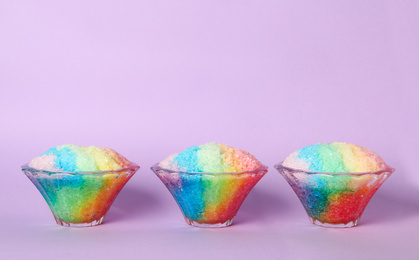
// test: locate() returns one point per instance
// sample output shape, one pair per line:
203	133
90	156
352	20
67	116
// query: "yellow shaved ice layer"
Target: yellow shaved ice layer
103	160
358	159
229	158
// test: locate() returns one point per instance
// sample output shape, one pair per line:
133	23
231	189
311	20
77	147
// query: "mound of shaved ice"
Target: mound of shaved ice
211	158
73	158
335	157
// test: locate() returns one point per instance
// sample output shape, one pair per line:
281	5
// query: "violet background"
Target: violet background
150	78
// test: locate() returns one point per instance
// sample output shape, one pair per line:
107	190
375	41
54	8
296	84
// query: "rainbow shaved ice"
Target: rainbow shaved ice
210	182
79	183
73	158
335	181
335	158
211	158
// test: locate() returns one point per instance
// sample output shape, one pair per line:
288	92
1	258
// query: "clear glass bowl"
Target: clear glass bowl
80	199
334	199
209	199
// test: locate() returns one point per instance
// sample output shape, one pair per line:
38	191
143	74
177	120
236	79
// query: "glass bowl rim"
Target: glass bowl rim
262	168
388	169
132	167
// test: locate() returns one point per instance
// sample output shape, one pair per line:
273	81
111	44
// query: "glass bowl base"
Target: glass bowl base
316	222
69	224
205	225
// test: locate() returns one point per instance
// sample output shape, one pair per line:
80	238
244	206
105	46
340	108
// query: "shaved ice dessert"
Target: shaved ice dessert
210	182
79	183
334	181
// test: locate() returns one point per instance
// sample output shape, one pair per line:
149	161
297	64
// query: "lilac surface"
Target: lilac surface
151	78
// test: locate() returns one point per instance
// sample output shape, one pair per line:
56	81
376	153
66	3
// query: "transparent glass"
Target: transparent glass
79	199
334	199
209	199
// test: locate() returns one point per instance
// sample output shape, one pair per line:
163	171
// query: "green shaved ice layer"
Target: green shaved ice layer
84	161
210	158
215	188
331	158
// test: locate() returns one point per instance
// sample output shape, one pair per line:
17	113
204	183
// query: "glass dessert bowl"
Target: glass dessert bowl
209	199
79	199
334	199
